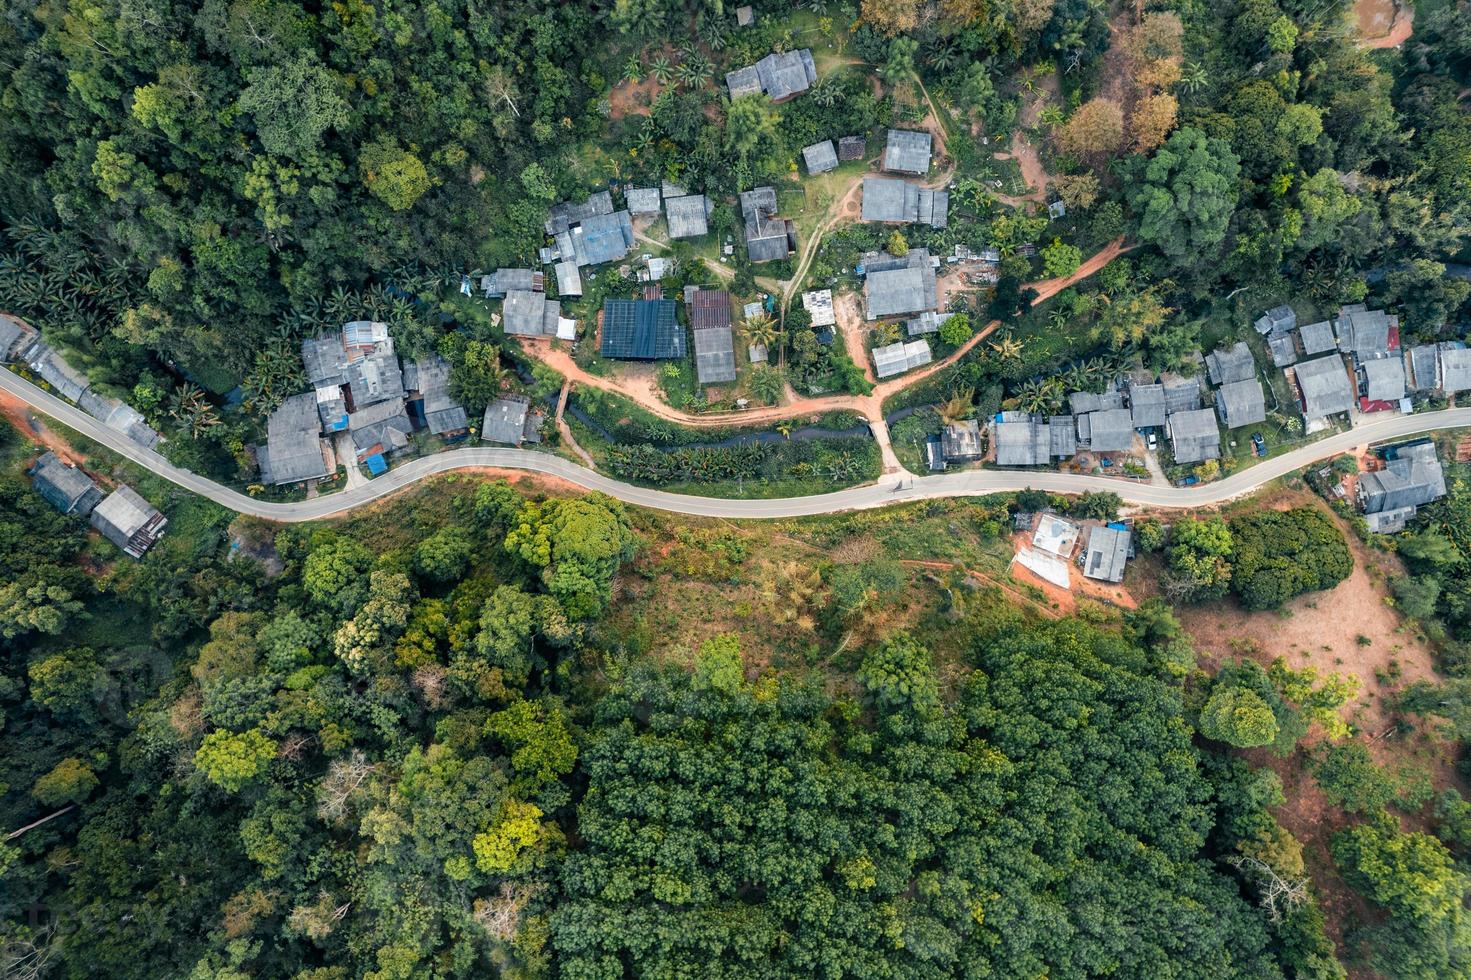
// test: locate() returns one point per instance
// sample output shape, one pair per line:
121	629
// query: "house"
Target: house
1455	368
1411	477
1055	535
745	16
324	358
642	200
1021	440
780	75
1108	551
129	521
1283	347
1241	403
1230	364
431	403
590	233
1083	402
1317	338
64	486
927	322
894	201
502	281
569	280
528	314
1147	405
1422	367
375	378
768	238
899	357
1109	431
563	217
641	330
852	148
1277	320
961	441
710	324
898	285
380	430
819	305
118	416
52	368
820	157
688	216
1322	385
363	337
1382	383
908	152
16	336
294	449
1366	333
509	420
1062	436
1194	436
1183	395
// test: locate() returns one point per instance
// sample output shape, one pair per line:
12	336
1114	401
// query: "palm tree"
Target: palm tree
943	58
633	68
957	407
661	70
762	330
826	93
1057	320
696	71
192	409
1007	348
1032	396
713	32
1051	117
1193	78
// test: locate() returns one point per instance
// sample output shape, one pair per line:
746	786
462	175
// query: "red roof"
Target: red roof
709	309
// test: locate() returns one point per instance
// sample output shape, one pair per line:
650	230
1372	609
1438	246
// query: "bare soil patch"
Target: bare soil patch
18	413
634	98
1384	23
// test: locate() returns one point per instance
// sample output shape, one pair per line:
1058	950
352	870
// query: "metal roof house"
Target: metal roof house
642	200
324	358
1022	439
1422	367
1194	436
908	152
1241	403
896	286
714	339
894	201
374	378
1108	552
820	157
129	521
63	486
768	238
1109	430
562	217
1366	333
590	233
380	429
1317	338
508	420
1323	386
1062	436
819	305
1147	405
1082	402
64	379
899	357
118	416
852	148
16	336
502	281
1411	477
961	441
1230	364
528	314
745	16
688	216
780	75
294	449
1455	368
1279	319
569	280
1183	395
1383	381
428	379
1284	349
927	322
641	330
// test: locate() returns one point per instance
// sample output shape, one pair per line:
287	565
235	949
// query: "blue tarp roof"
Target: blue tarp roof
376	464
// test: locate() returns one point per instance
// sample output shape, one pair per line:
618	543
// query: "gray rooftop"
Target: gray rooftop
1241	403
1279	319
324	357
889	199
383	427
528	314
561	217
15	336
1230	364
908	151
1108	551
1195	436
714	339
961	440
642	200
895	291
1422	367
505	420
1284	349
294	447
819	305
118	416
1363	332
502	281
64	379
569	280
375	378
688	216
1147	405
1063	436
64	487
1082	402
927	322
1384	379
128	521
1323	385
1412	476
1182	395
820	157
1317	338
1110	430
1022	440
442	413
899	357
779	75
1455	369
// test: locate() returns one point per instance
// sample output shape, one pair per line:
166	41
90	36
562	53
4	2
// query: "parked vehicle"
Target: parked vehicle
1259	444
1190	481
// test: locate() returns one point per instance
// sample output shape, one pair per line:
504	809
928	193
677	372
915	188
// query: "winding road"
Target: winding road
891	490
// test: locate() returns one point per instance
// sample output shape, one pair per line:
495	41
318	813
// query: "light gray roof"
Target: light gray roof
383	427
1422	367
602	238
1455	369
927	322
819	305
768	238
569	280
899	357
1021	440
118	416
324	357
1317	338
745	16
908	151
780	75
1324	387
820	157
1195	436
15	336
688	216
895	291
441	412
1110	430
374	378
1363	332
562	217
1284	349
1147	405
642	200
892	200
293	449
502	281
1279	319
1229	364
1241	403
1082	402
1108	552
66	380
743	82
1063	436
1182	395
523	314
714	340
128	521
67	488
505	420
961	440
1412	476
1384	379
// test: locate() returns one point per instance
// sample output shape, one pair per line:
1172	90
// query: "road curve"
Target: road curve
962	484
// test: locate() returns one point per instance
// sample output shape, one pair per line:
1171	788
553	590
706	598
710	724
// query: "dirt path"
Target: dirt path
851	327
565	431
844	207
1035	175
20	416
1384	23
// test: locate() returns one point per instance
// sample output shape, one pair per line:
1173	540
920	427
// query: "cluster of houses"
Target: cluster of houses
1053	549
649	330
21	343
123	516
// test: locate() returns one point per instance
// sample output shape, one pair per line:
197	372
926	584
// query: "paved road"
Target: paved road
968	483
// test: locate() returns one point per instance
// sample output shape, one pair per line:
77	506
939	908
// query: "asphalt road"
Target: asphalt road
968	483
